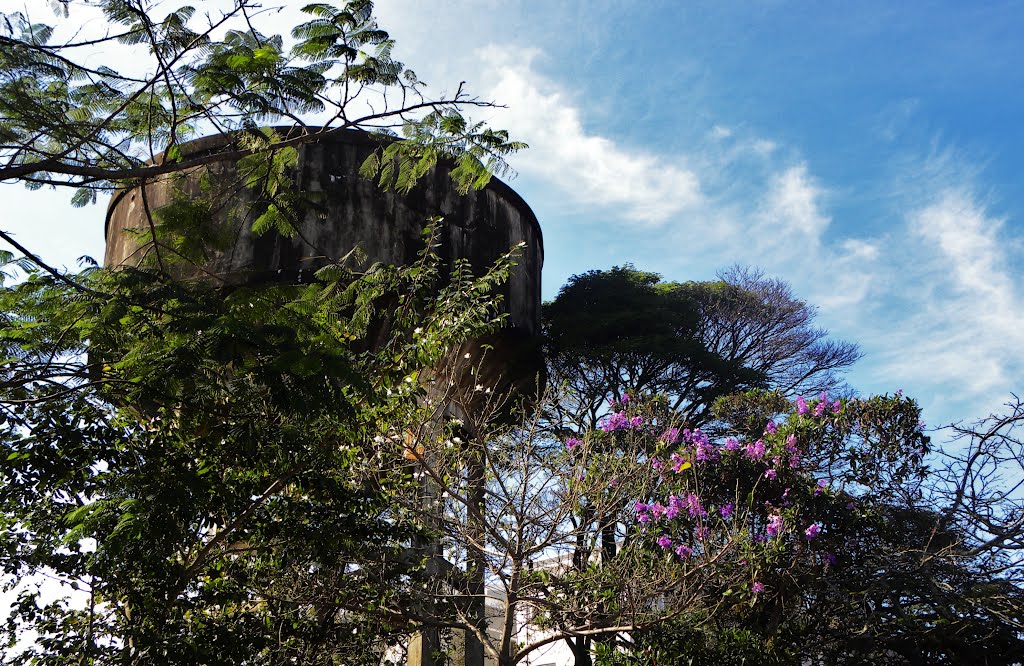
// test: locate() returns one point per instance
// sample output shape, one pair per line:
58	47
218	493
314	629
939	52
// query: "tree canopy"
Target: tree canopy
624	328
71	119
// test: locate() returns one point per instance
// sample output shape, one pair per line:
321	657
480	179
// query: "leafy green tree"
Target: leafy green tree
880	575
612	334
70	120
208	477
207	474
625	329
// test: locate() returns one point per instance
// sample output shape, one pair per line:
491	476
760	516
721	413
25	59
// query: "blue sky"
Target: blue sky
869	153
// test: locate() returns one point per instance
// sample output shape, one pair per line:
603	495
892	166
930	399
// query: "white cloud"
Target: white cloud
968	241
964	324
720	132
588	168
791	210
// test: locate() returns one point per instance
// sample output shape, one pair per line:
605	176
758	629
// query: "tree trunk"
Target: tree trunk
581	650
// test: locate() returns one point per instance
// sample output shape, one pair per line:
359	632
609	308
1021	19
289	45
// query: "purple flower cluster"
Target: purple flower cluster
572	443
754	451
776	525
619	421
670	436
802	408
682	551
656	511
812	531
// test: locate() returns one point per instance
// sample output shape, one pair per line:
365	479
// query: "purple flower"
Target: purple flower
677	463
702	533
625	398
643	518
706	451
771	428
693	505
757	587
731	444
670	436
821	487
899	392
664	542
801	406
775	525
754	451
614	483
641	507
836	407
830	559
726	510
572	443
812	531
683	551
656	464
636	421
770	474
819	408
760	538
657	511
616	421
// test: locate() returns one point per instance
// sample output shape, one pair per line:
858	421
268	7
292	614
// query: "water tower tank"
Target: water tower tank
353	211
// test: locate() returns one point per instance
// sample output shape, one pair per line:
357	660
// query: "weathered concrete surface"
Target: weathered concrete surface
479	226
351	211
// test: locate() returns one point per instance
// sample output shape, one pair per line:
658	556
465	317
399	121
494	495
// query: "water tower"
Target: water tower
479	226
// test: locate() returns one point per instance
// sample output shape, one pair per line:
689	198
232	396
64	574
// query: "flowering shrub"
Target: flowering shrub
740	508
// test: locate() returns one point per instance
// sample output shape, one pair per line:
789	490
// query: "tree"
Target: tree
902	580
70	121
612	334
206	463
625	329
796	538
206	475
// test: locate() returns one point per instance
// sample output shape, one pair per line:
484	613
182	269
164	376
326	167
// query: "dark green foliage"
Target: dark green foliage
694	342
210	475
68	120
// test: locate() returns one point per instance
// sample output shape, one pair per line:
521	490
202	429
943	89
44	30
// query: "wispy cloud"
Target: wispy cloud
791	210
967	328
588	168
930	297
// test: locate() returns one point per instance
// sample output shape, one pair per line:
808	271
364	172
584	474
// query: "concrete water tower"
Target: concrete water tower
353	211
479	226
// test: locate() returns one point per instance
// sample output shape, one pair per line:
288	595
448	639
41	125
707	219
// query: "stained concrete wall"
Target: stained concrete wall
479	226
